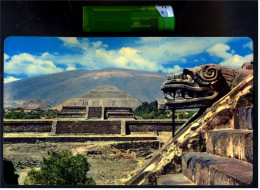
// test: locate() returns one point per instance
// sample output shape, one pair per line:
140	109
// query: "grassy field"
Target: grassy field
109	166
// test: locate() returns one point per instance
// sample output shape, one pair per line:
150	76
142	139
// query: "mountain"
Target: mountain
103	96
35	104
59	87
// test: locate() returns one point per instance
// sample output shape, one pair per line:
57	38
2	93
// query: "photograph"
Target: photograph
128	111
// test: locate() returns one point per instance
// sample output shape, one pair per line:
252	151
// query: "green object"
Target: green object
128	18
61	168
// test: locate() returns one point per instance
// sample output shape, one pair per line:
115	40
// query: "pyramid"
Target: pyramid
103	96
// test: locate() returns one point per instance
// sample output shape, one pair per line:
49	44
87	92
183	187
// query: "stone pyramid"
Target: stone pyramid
103	96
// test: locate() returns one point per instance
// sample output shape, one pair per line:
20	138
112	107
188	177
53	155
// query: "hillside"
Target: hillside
35	104
59	87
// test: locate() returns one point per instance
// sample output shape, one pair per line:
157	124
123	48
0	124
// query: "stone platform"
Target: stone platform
174	180
30	138
208	169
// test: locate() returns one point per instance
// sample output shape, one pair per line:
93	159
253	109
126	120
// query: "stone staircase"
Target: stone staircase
118	112
72	112
228	159
214	149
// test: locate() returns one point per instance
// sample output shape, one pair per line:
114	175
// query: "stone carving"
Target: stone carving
201	86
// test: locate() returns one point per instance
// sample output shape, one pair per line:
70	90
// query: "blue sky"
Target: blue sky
26	57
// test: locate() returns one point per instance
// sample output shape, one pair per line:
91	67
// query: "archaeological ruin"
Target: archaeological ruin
214	147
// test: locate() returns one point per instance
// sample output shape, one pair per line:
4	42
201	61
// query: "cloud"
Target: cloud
219	50
71	68
175	69
10	79
158	54
97	44
125	57
165	50
230	59
151	54
248	45
29	65
6	57
72	41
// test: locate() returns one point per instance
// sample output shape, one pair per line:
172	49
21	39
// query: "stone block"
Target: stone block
174	179
208	169
27	126
231	143
90	127
123	128
152	126
231	174
95	112
243	118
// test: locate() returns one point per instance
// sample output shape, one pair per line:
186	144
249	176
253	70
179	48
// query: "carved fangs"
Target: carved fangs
201	86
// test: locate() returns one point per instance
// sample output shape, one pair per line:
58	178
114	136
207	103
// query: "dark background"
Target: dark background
193	18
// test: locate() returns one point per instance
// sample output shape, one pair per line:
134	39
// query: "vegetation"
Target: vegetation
20	113
150	111
62	168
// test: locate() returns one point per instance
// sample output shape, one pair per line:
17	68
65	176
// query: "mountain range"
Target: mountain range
56	88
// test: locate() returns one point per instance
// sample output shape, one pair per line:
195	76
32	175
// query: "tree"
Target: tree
62	168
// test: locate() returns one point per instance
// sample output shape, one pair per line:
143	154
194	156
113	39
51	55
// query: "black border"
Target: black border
220	18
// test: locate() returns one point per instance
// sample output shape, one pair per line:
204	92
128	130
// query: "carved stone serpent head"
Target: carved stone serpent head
200	86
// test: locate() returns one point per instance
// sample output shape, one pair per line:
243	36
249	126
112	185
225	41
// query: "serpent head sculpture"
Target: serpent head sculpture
201	86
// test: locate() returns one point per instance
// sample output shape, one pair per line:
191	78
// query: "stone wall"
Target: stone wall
135	145
95	112
73	109
118	109
71	115
151	126
34	140
27	126
92	127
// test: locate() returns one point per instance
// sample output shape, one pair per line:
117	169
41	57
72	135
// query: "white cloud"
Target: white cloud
125	57
97	44
70	68
6	57
237	60
230	59
30	65
248	45
150	54
10	79
219	50
174	70
73	41
165	50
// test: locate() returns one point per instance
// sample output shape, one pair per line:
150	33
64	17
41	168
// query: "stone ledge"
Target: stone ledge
174	180
236	143
243	118
74	139
208	169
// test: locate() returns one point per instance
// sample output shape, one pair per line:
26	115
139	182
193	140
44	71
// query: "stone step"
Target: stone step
232	143
243	118
71	114
73	110
76	138
119	115
208	169
174	180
